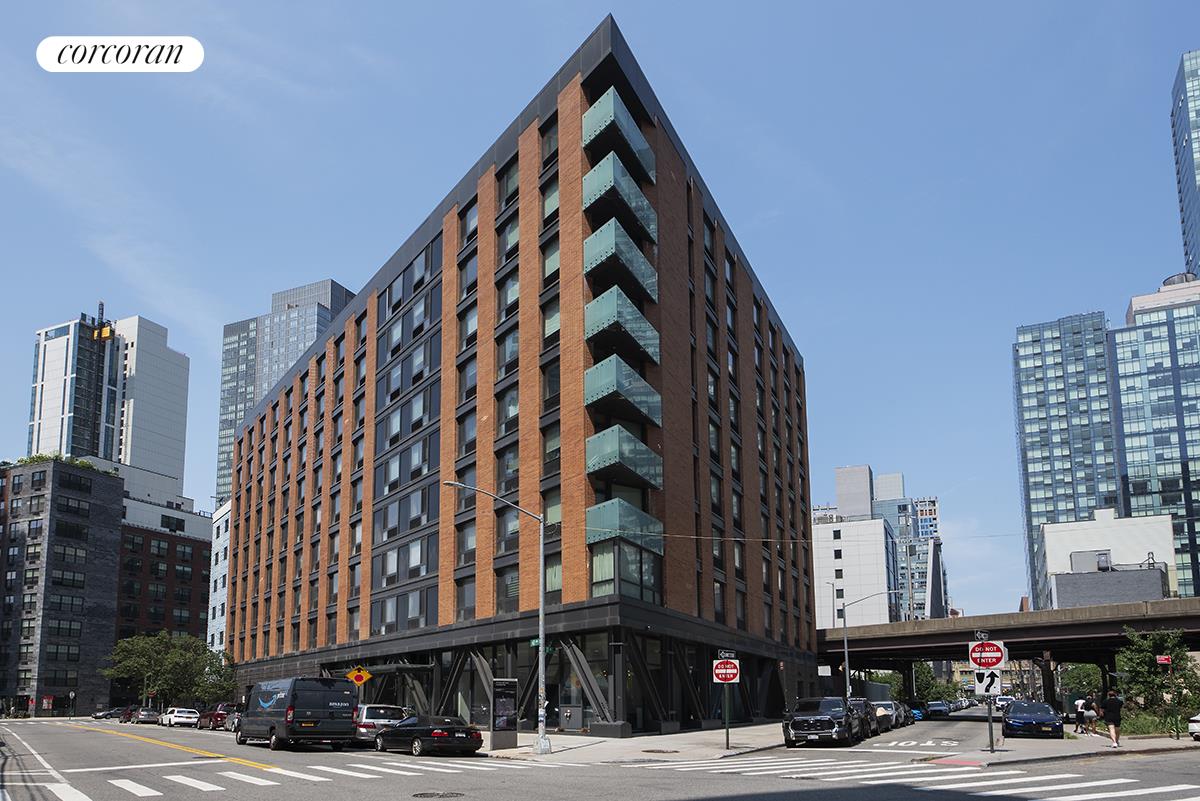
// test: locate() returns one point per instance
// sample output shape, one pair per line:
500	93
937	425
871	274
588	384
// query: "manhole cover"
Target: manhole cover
659	751
437	795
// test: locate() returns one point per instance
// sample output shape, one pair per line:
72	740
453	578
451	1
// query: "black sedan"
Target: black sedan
1025	717
430	734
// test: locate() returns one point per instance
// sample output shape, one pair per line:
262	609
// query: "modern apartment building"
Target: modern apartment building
60	535
1185	126
1065	440
856	563
576	329
256	352
113	390
163	583
219	576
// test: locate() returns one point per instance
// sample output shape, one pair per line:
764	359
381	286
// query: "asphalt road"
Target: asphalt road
85	761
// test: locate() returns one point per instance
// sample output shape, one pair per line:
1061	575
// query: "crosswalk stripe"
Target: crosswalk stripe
188	781
140	790
340	772
722	767
383	769
66	792
905	774
529	763
423	767
4	796
500	763
242	777
469	767
298	775
1049	788
784	768
990	783
704	762
1124	793
847	767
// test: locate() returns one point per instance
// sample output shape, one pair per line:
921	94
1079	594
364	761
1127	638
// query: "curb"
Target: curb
1090	755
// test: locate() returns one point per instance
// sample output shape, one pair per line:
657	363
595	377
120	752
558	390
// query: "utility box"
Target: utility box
502	733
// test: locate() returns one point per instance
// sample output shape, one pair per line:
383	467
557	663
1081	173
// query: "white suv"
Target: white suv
179	716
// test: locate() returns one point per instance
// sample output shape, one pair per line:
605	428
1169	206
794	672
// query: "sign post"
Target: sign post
726	670
71	695
988	657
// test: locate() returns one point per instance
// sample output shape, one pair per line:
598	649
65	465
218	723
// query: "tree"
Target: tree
173	668
1149	684
1080	680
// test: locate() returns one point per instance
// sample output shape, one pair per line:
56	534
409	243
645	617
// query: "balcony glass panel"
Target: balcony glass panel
618	455
613	314
609	116
614	384
610	181
619	518
610	248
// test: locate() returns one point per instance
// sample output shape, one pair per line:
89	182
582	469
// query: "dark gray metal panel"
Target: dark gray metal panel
590	688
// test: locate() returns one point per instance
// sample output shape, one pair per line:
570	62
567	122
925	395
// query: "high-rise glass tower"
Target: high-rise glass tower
1185	125
1065	444
1156	361
257	351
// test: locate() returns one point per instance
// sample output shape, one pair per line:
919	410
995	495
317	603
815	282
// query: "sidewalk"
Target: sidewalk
1014	751
707	744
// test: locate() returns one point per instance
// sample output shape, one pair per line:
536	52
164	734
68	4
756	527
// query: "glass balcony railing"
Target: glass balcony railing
610	253
608	187
616	387
608	123
619	518
618	455
613	316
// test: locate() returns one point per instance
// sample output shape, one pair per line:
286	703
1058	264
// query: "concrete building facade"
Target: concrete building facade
219	576
852	560
576	329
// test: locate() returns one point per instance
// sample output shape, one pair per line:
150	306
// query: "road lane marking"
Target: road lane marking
990	783
904	774
382	769
140	790
784	768
340	772
722	767
66	792
188	781
850	767
40	760
704	763
186	749
423	767
500	763
1052	787
469	767
1124	793
298	775
242	777
145	765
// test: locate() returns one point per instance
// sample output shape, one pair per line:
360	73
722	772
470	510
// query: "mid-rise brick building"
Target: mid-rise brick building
576	329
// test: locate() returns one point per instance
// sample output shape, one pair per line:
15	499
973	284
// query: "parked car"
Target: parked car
893	711
300	709
864	708
909	717
822	719
145	715
428	734
937	709
106	714
1194	727
371	718
179	716
214	716
233	721
1002	702
918	712
1028	717
128	714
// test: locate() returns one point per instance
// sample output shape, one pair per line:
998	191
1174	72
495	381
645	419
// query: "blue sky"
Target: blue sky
911	181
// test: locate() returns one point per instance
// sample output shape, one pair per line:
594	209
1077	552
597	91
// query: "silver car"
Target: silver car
892	709
370	718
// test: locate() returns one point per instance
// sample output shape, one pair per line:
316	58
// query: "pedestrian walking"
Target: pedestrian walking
1111	710
1080	725
1090	714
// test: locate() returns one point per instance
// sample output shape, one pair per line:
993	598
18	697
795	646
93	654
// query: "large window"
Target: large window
469	222
467	378
466	543
508	530
554	578
550	262
638	572
551	449
468	275
549	143
508	293
507	184
508	354
507	467
468	327
508	588
550	323
464	598
508	241
550	386
550	202
507	408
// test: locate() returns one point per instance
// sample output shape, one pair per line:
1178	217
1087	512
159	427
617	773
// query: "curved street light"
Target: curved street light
845	636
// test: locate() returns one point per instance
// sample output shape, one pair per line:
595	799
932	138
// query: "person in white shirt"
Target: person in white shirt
1079	724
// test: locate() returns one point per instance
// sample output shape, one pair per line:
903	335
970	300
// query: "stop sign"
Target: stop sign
726	671
987	654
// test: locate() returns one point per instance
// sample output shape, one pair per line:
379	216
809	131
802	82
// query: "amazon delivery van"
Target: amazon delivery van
285	711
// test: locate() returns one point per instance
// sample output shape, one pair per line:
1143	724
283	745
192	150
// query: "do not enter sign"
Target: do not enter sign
987	654
726	671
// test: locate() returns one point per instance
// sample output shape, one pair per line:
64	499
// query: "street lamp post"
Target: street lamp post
846	637
542	746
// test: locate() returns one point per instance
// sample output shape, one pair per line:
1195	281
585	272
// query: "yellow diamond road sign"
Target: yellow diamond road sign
359	675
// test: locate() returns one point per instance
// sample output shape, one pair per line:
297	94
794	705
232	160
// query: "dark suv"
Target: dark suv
822	719
867	710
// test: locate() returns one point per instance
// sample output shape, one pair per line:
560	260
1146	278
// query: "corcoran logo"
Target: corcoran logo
120	54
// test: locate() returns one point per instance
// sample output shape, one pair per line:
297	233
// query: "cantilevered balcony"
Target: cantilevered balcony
619	518
608	125
613	322
610	191
617	455
611	256
614	387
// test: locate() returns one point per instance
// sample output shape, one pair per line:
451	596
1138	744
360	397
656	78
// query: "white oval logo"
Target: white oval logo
120	54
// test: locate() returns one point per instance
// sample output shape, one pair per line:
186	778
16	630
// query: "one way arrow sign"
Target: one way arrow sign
987	682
